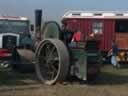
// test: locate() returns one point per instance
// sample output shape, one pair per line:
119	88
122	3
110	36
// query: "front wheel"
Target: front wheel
52	61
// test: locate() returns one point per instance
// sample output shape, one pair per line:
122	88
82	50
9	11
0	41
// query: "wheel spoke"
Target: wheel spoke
43	57
47	50
52	50
52	56
53	67
54	72
56	58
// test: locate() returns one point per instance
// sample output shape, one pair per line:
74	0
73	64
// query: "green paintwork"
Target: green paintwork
80	64
51	30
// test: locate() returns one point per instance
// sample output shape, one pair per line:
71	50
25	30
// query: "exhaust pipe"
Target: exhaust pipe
38	22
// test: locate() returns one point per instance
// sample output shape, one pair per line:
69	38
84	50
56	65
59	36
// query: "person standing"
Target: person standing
66	33
114	53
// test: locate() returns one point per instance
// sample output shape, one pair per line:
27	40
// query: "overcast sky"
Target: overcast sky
54	9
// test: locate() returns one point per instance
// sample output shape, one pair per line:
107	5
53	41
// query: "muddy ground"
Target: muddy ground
111	82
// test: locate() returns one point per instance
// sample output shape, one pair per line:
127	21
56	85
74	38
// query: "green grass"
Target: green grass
5	78
10	78
108	76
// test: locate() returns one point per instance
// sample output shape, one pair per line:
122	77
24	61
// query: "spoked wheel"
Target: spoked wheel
52	61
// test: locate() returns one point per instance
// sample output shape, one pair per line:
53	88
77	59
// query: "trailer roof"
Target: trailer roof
96	14
13	18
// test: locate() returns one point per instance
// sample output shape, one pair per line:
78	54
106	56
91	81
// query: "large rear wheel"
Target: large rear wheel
52	61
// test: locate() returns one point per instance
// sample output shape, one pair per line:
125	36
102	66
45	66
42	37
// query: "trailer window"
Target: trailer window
97	27
121	26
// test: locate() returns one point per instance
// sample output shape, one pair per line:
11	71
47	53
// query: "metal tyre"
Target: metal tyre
52	61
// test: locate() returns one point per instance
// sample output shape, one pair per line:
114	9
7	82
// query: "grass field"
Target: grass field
11	78
110	82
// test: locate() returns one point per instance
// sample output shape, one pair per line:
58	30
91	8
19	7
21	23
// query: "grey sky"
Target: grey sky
54	9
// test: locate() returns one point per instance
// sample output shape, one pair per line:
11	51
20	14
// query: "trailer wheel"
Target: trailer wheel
52	61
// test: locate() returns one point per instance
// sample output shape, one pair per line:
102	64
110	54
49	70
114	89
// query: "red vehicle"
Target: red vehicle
107	26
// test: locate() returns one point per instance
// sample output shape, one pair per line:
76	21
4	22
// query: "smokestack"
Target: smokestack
38	22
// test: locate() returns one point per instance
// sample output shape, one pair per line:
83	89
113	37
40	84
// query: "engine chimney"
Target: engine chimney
38	22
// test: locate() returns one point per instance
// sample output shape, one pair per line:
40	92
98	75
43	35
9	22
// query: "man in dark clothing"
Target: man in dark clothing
114	49
114	53
67	34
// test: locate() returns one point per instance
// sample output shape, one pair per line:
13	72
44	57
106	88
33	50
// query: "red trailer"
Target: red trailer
106	25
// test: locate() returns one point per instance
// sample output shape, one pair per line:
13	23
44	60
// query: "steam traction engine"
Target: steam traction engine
55	60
